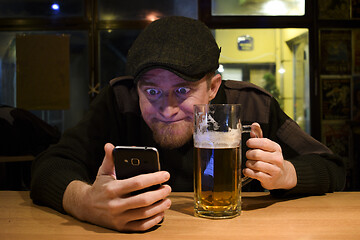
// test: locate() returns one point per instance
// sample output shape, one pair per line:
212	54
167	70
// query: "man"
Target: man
172	66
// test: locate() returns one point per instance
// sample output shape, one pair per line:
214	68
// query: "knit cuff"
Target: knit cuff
50	189
312	177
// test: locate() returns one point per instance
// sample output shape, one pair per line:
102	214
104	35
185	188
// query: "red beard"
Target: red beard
172	135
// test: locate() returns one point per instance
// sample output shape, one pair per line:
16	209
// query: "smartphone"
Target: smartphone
133	161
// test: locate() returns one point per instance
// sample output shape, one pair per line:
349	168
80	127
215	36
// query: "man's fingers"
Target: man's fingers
107	167
265	167
274	158
256	131
263	144
148	198
144	224
256	174
142	181
148	211
141	201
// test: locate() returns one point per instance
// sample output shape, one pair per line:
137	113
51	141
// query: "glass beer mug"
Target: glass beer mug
217	159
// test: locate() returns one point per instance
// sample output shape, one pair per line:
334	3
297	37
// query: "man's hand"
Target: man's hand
108	202
266	163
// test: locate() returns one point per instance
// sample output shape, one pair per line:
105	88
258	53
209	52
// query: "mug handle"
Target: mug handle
246	129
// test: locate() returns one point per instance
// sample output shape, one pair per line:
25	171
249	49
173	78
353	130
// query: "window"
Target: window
79	77
114	45
280	64
258	7
45	8
146	10
101	32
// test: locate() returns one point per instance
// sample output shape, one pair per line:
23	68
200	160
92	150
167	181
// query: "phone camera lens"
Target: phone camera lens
135	161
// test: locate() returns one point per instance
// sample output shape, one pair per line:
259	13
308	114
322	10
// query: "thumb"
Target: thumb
256	130
107	167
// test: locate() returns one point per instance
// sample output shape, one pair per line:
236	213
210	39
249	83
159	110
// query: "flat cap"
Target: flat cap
181	45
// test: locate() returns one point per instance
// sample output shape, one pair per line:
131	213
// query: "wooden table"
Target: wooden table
331	216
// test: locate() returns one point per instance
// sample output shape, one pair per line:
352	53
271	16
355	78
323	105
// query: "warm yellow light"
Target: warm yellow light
152	16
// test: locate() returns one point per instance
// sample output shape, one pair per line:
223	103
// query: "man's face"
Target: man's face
166	103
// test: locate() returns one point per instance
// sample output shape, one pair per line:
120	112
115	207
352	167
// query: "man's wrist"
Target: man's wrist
291	177
73	199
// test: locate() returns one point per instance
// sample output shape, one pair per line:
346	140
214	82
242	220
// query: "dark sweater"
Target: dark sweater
114	117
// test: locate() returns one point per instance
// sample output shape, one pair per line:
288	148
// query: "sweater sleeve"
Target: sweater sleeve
78	154
318	170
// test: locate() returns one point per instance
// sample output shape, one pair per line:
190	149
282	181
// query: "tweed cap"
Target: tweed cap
181	45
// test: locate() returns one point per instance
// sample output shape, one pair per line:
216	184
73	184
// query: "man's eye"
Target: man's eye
153	91
183	90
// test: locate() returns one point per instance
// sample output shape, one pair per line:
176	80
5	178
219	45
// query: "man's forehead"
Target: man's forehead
162	76
163	82
157	72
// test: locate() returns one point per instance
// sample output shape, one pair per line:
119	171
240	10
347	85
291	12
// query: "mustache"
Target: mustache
171	136
163	121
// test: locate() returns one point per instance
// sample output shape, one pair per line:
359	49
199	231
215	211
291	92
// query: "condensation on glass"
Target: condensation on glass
258	7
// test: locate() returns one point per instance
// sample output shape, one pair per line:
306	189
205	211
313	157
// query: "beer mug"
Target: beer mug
217	159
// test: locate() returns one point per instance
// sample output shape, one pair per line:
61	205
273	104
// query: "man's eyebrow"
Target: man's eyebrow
186	84
146	82
181	84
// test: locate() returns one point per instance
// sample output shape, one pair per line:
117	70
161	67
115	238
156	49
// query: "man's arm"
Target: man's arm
107	202
292	161
72	178
78	154
266	164
317	169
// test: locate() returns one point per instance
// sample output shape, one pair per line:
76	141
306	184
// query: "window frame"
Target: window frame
308	20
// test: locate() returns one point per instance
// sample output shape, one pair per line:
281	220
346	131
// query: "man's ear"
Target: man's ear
214	86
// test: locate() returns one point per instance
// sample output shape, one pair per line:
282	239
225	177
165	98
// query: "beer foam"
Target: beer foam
230	139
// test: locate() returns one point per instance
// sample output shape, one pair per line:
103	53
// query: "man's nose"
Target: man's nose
169	106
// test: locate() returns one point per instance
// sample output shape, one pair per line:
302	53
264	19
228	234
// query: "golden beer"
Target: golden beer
217	182
217	160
